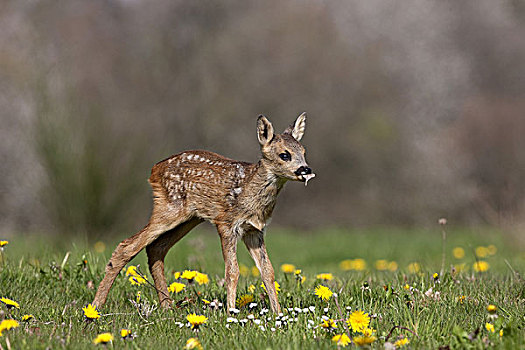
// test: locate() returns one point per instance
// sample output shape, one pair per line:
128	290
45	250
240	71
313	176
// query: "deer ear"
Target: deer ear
264	130
297	128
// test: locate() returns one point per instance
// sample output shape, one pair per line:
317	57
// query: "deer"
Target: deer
237	197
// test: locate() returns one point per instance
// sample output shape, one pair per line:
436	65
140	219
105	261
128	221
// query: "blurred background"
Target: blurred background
416	110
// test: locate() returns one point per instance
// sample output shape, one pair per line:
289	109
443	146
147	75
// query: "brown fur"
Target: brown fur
237	197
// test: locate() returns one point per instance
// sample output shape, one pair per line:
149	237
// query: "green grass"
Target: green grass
35	273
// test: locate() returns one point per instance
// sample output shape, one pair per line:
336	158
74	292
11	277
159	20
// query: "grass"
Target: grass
54	278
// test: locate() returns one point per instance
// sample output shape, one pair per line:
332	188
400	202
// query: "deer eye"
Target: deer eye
286	156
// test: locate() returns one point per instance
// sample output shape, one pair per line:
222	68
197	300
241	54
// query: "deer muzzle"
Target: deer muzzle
304	174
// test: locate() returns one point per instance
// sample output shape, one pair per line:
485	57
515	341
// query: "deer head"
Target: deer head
283	154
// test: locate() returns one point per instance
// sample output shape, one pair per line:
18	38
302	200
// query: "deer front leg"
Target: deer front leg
229	252
254	241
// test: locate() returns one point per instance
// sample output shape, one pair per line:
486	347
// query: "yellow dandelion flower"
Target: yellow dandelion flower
27	318
323	292
125	333
103	338
460	267
406	287
328	324
176	274
131	271
362	340
287	268
492	250
176	287
461	299
137	298
346	265
458	252
481	266
6	325
189	275
325	276
489	327
91	312
255	271
358	320
482	252
206	301
341	340
368	332
244	271
414	267
137	280
277	287
244	300
501	332
3	243
196	320
381	264
401	342
193	343
298	272
10	303
99	247
435	276
392	266
491	308
202	278
359	264
251	288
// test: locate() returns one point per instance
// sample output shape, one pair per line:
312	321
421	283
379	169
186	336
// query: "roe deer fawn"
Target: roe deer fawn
237	197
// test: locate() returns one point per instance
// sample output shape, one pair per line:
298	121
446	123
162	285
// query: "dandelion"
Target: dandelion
288	268
6	325
196	320
341	340
10	303
358	320
482	252
244	271
489	327
202	278
137	280
325	276
461	299
193	343
245	300
176	274
91	313
125	333
255	271
329	324
406	287
277	287
381	265
492	250
401	342
481	266
99	247
131	271
501	332
435	276
27	318
392	266
251	288
359	264
323	292
176	287
458	252
414	267
3	244
364	340
189	275
491	308
137	298
103	338
368	332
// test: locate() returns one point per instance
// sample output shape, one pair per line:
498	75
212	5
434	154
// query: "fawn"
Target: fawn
237	197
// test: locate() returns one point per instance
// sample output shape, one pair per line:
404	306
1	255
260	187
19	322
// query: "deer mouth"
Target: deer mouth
306	177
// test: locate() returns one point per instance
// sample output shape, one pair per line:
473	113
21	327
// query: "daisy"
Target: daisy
358	320
323	292
91	313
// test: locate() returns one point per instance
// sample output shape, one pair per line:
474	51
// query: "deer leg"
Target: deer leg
157	252
125	251
254	241
229	253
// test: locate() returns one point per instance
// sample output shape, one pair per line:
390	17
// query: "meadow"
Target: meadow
381	288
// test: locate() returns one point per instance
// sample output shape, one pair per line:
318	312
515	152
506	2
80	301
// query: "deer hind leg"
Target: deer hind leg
254	241
231	267
157	252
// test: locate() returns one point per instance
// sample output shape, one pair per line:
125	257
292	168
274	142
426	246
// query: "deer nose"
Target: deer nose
304	170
